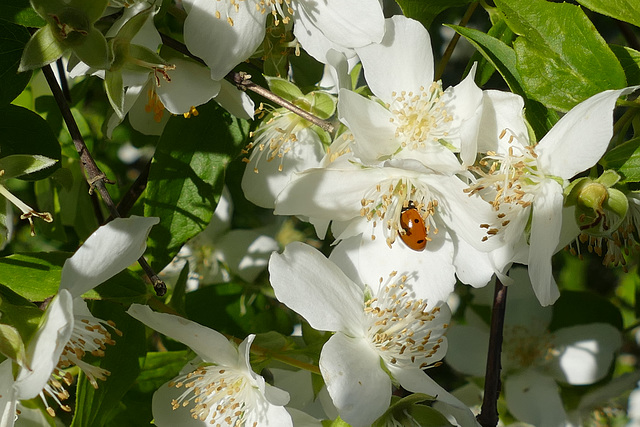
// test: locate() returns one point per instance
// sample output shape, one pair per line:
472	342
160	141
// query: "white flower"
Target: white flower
218	253
226	32
68	329
418	120
522	180
220	386
387	328
535	359
369	202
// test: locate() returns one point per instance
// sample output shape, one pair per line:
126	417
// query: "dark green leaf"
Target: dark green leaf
630	61
95	406
226	308
20	12
561	57
158	368
499	31
187	176
503	58
623	10
426	11
624	159
13	39
36	277
25	132
18	312
579	308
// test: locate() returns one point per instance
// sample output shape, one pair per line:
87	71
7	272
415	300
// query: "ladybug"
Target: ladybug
415	232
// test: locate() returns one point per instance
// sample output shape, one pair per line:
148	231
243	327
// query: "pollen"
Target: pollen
403	331
420	117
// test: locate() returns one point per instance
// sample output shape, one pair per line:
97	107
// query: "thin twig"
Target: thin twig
489	413
243	82
454	41
95	177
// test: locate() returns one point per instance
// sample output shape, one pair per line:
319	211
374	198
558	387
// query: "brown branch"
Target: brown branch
454	41
488	416
243	82
95	177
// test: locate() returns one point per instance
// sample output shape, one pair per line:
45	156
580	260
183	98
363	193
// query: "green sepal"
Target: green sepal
114	87
93	50
43	48
21	164
11	344
321	104
284	88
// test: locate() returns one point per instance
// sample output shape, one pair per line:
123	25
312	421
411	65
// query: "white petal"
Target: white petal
8	400
468	347
313	41
246	252
358	386
545	233
349	23
472	266
223	46
370	124
263	187
534	398
191	85
45	348
419	382
109	250
581	136
311	285
586	352
403	61
141	120
163	413
501	111
235	101
523	308
210	345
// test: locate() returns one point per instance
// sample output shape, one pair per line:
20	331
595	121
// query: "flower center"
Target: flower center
387	199
219	395
275	137
524	348
420	117
401	329
275	7
507	182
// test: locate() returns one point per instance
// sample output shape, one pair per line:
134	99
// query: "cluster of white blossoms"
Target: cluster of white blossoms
422	187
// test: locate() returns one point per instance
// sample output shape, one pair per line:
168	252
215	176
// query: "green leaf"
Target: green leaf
499	31
114	87
321	104
503	58
561	58
75	202
623	10
13	40
630	61
625	159
25	132
186	178
20	12
43	48
19	313
94	407
36	277
426	11
158	368
20	164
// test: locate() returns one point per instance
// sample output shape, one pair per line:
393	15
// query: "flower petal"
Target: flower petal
221	43
370	124
358	386
210	345
191	85
45	348
109	250
468	347
501	111
534	398
235	101
545	233
403	61
314	287
245	252
8	400
586	352
581	136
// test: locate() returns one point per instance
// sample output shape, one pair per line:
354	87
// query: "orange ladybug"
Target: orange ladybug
415	232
